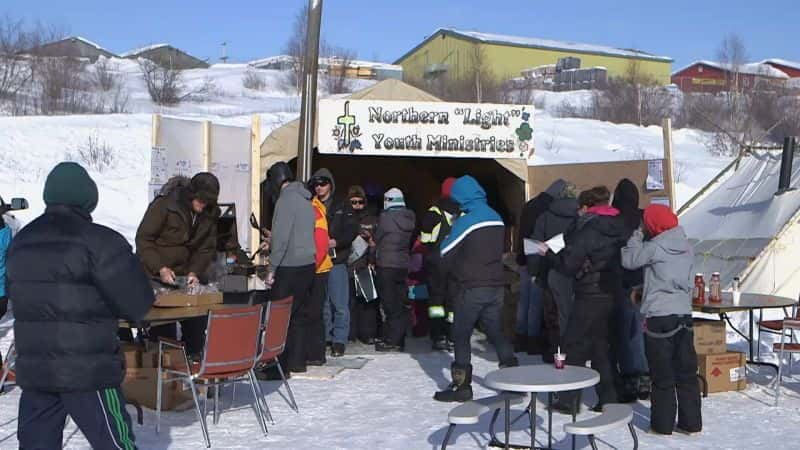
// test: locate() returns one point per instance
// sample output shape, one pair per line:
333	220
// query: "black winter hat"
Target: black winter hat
279	173
205	187
69	184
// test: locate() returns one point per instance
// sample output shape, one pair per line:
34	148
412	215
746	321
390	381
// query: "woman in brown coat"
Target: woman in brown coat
178	237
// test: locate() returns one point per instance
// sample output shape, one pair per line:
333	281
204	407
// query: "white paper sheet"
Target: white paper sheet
556	244
530	247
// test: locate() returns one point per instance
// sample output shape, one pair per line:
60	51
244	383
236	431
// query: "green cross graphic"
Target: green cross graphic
347	120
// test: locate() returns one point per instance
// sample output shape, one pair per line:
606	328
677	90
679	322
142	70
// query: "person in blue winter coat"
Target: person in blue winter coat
472	253
5	241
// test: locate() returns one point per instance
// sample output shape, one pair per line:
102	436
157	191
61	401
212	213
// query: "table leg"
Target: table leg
574	419
532	417
508	420
549	420
749	339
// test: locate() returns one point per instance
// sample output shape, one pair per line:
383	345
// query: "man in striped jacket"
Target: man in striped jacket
472	254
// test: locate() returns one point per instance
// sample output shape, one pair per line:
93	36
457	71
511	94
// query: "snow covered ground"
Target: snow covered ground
388	405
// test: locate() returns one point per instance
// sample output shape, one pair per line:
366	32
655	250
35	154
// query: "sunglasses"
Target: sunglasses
357	201
318	183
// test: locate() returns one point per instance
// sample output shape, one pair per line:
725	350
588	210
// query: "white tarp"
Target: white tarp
411	128
745	205
742	229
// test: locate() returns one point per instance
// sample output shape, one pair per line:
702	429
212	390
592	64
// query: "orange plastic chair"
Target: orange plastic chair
230	355
273	342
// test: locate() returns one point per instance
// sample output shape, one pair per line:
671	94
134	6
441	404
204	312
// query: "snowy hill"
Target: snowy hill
30	146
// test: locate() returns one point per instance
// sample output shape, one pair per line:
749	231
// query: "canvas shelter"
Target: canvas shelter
420	177
741	228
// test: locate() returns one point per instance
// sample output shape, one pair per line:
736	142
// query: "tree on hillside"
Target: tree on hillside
296	46
339	60
745	114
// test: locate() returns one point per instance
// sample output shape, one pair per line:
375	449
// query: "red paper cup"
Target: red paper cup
559	359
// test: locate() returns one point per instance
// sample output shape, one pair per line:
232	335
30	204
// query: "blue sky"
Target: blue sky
385	29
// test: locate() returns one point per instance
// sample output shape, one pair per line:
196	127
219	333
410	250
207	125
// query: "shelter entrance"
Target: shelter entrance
420	179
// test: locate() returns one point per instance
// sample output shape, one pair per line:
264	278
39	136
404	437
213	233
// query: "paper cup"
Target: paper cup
559	360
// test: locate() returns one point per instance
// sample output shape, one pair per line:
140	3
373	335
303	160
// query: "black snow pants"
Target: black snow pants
673	371
586	339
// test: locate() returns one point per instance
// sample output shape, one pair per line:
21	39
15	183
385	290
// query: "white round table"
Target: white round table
539	379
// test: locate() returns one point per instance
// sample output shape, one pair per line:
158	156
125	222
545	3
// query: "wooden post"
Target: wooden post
206	146
669	180
155	130
255	178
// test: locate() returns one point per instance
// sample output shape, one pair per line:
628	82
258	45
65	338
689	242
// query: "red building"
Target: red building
712	77
788	67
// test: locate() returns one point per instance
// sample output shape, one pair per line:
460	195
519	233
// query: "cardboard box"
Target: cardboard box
172	357
179	299
709	337
723	372
132	354
140	385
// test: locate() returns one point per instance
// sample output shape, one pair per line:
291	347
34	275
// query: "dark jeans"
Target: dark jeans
363	316
297	282
443	291
337	305
193	332
673	371
100	415
628	340
484	304
586	339
315	336
394	296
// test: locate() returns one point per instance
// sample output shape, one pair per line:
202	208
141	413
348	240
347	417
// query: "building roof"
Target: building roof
782	62
141	50
82	40
759	68
546	44
733	224
324	61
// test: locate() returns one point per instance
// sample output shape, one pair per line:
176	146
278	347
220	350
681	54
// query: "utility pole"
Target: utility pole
308	107
224	57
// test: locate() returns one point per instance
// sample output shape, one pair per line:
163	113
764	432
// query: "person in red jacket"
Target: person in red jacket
315	350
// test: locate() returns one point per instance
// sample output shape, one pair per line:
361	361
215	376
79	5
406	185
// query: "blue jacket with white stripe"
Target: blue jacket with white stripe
472	253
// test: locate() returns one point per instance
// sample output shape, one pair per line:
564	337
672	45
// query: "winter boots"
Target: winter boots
460	390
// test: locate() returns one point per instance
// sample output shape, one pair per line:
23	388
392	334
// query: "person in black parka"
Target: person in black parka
627	343
592	258
71	281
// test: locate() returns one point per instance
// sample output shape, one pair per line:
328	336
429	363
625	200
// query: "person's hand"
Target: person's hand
270	280
265	233
371	242
167	275
192	280
332	243
264	246
636	296
543	248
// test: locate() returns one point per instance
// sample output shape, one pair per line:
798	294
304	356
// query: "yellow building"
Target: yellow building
455	53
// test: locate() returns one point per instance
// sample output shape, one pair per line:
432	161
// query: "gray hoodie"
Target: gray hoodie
292	243
667	260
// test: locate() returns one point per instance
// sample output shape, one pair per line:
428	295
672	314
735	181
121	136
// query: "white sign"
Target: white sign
394	128
158	165
655	175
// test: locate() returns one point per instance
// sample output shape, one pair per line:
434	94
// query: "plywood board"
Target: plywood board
589	175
